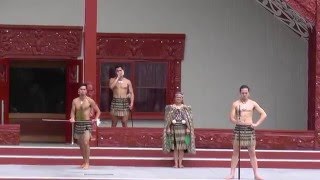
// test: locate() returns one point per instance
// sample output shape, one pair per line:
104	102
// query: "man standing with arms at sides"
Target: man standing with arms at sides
122	92
241	115
80	115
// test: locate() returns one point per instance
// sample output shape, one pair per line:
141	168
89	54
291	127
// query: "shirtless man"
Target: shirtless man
241	115
90	90
80	115
122	92
91	93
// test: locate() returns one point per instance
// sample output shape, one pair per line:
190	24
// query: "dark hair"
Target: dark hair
82	84
244	87
118	66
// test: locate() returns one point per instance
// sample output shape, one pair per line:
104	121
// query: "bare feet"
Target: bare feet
86	166
82	165
230	177
257	177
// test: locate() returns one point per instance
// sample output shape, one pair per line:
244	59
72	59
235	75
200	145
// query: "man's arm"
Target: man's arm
232	116
131	95
73	110
113	82
263	114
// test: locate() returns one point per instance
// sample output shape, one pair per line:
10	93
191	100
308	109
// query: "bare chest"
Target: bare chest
122	85
245	107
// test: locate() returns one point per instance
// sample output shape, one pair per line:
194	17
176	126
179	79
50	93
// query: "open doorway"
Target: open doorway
37	91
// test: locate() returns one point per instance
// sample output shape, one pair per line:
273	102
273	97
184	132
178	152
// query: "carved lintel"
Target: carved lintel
40	41
140	46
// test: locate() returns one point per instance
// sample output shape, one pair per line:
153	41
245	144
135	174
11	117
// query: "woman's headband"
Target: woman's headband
179	93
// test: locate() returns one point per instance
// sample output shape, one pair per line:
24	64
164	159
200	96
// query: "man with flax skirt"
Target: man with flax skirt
123	97
244	131
80	116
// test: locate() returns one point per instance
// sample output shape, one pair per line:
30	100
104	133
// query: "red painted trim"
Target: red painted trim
4	87
205	138
10	134
40	58
12	26
311	79
141	35
317	78
90	41
305	8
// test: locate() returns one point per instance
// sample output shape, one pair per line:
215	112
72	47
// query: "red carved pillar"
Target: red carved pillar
174	75
90	52
90	43
311	78
317	78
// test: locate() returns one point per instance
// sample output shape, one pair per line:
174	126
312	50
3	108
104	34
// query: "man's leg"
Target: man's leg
234	161
114	121
80	142
124	121
253	161
86	145
181	154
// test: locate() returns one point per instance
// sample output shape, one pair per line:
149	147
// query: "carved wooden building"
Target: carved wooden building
58	58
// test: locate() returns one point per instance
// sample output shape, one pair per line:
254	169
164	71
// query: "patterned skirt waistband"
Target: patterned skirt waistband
83	122
243	127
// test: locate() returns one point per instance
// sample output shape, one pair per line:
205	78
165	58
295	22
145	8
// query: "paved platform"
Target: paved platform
145	173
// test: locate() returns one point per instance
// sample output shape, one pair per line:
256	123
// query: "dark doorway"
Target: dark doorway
37	91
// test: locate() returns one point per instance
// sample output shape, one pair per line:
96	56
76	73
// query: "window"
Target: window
149	81
150	86
151	61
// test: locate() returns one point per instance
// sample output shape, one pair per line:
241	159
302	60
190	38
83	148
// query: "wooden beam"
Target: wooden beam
317	79
90	50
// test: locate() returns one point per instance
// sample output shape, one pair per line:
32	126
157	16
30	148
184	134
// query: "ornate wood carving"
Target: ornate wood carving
74	74
306	8
215	138
3	73
140	46
317	79
50	41
10	134
289	16
129	137
174	79
285	139
205	138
